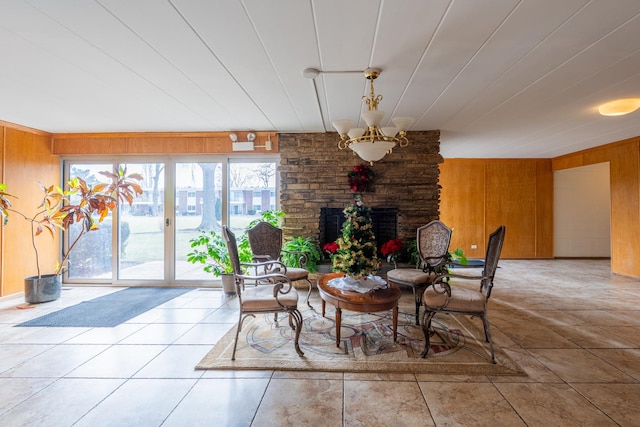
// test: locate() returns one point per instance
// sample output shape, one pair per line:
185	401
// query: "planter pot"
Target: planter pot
228	284
43	289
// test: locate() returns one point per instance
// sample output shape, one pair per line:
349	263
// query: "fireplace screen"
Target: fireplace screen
383	220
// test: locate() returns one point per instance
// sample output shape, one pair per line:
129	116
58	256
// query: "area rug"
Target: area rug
109	310
457	346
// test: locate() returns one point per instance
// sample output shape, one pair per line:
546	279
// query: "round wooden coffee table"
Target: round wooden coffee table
370	302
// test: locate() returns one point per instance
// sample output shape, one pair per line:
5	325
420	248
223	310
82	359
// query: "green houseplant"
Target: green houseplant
210	249
302	248
59	209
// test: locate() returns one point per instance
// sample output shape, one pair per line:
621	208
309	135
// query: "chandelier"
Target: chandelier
373	142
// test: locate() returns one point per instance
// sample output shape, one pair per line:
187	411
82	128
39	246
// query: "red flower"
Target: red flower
331	247
392	247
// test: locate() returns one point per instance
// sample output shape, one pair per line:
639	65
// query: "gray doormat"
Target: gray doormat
109	310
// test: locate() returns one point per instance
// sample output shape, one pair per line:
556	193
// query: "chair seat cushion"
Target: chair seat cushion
260	298
462	299
294	273
408	276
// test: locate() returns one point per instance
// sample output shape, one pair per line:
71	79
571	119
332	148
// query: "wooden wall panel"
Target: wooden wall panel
511	201
160	143
28	160
544	209
478	195
625	211
462	204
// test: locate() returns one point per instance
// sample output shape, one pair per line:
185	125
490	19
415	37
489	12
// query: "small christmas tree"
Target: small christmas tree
357	255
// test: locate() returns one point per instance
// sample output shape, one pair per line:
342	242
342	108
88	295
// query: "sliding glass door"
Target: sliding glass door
147	243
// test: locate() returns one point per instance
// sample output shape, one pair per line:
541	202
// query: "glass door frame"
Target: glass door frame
169	201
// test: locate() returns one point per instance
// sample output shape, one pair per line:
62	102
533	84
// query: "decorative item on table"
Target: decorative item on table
357	255
391	251
361	178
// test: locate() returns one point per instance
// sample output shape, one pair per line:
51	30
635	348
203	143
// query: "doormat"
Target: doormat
109	310
456	347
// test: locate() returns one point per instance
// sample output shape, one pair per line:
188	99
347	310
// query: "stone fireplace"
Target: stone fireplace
313	180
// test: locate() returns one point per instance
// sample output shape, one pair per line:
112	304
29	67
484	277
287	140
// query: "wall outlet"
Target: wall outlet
474	246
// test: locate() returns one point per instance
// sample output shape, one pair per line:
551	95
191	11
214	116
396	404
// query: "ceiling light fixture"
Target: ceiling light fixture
619	107
373	142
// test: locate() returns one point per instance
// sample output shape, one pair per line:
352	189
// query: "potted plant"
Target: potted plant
302	252
209	248
82	204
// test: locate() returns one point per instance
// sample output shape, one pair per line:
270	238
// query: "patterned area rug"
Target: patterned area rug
366	345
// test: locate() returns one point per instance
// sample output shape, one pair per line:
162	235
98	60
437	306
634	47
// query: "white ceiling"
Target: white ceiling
499	78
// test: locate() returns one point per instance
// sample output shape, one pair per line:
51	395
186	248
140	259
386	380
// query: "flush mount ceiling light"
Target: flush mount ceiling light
373	142
619	107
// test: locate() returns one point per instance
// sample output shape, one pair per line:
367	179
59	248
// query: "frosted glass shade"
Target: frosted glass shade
372	151
389	131
343	126
403	123
356	132
372	118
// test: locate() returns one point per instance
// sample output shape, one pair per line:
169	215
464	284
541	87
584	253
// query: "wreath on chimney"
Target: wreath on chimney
361	178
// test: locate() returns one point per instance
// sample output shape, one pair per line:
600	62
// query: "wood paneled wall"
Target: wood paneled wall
27	160
478	195
159	143
624	158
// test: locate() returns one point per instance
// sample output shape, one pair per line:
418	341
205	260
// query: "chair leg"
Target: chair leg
309	293
426	325
487	336
297	319
417	295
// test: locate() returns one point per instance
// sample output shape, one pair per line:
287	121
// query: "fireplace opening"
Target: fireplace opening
384	221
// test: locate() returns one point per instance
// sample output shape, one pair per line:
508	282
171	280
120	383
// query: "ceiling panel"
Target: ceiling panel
499	78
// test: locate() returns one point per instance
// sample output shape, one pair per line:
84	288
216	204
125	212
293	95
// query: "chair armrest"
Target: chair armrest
302	257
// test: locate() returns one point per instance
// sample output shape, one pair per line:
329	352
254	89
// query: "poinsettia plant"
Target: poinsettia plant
391	250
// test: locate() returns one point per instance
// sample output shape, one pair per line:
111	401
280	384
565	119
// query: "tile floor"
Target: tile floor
573	326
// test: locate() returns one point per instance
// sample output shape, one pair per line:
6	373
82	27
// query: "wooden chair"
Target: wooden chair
265	241
432	241
277	296
441	297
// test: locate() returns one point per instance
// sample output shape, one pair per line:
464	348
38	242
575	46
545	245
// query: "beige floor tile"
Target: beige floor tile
161	333
536	371
161	396
61	404
219	402
55	362
552	405
537	336
15	354
630	334
41	335
204	333
105	335
290	402
176	361
21	389
619	401
184	315
403	404
117	361
580	366
592	336
627	360
468	404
